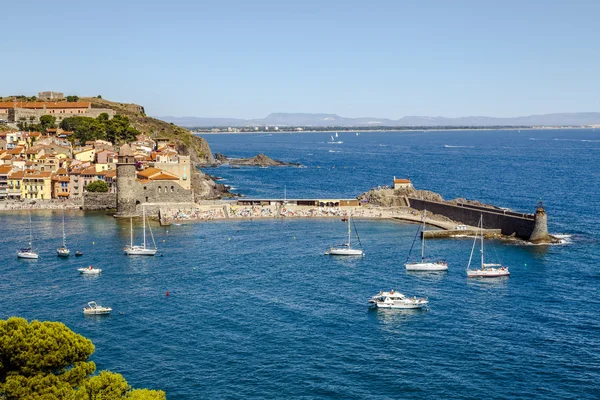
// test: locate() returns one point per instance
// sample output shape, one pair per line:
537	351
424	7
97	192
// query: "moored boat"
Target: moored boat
89	270
346	248
28	252
394	299
95	309
424	264
143	250
485	270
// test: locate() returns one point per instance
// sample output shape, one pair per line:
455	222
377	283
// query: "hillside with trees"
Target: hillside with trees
196	147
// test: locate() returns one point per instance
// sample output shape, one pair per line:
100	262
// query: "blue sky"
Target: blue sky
355	58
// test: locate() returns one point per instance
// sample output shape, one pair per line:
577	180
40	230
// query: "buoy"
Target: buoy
228	238
167	294
164	240
294	237
93	243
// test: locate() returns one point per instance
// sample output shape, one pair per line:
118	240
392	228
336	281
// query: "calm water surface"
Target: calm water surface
256	309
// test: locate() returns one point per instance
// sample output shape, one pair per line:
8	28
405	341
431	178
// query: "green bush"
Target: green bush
97	186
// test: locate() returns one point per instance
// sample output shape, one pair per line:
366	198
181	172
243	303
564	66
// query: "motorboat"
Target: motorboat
28	252
424	264
346	248
485	270
393	299
143	250
89	270
78	253
94	309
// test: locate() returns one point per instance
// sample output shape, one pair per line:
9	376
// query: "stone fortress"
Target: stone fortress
133	189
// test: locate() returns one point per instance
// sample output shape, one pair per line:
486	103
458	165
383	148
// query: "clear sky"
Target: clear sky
248	58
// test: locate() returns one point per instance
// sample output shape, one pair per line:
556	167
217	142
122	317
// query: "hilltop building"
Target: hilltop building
401	183
25	111
51	95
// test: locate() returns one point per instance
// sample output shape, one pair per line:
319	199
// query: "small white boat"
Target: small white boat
89	270
142	250
28	251
424	265
345	249
486	270
94	309
394	299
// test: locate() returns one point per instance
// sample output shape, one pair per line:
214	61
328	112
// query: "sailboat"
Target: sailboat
28	252
486	270
424	265
63	251
345	249
336	135
142	250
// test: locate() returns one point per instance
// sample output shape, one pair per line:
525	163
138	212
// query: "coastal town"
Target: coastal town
52	167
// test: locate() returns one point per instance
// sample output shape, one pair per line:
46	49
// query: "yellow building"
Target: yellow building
85	154
15	185
37	185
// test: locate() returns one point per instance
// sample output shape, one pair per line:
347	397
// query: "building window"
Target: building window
144	187
159	189
146	199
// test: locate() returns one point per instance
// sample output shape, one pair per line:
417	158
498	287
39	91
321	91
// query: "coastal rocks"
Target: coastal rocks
259	160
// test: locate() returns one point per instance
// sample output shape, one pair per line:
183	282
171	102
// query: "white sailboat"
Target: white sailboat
28	252
486	270
336	135
142	250
344	249
424	265
63	251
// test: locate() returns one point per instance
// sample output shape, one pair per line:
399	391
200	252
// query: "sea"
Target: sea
254	309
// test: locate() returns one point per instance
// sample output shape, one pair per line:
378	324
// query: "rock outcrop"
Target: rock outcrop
259	160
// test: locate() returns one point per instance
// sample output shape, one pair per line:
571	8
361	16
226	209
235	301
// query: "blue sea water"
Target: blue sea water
255	310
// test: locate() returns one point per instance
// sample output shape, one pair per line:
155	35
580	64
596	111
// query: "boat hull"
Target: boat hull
488	273
63	252
401	305
97	312
344	252
28	255
426	266
87	271
140	252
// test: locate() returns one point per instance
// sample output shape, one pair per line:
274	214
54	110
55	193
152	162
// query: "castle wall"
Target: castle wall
522	225
99	201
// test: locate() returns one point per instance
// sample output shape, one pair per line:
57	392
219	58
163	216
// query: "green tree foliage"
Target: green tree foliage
46	122
72	99
97	186
115	130
46	360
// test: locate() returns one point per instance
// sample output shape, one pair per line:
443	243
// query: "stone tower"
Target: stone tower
126	184
540	230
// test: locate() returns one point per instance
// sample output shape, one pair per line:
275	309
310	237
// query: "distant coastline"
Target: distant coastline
291	130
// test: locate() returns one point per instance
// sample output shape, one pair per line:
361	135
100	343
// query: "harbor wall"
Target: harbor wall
509	223
99	201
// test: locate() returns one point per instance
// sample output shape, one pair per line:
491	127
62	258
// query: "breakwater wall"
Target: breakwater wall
509	222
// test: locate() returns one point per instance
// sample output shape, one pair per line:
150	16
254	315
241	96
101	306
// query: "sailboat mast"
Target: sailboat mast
481	226
144	224
348	231
64	235
423	237
131	232
30	232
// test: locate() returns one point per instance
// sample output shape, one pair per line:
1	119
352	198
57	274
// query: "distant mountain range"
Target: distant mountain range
323	120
